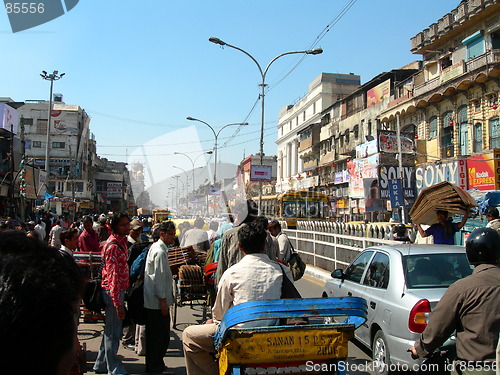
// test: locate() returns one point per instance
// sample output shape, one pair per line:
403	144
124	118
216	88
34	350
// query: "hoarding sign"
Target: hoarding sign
378	93
114	190
388	142
388	173
9	118
372	195
260	173
454	171
481	172
396	193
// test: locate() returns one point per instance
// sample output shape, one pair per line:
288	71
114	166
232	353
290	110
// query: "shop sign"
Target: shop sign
341	177
114	190
387	173
481	172
341	203
388	142
396	193
454	171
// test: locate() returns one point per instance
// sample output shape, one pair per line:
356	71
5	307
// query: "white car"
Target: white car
401	285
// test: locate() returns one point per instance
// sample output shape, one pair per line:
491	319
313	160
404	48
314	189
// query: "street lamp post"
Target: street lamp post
186	187
193	162
216	135
263	85
54	76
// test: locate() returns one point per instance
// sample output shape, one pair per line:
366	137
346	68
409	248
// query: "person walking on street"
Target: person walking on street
493	218
285	246
246	212
444	230
471	307
158	296
40	229
255	277
115	281
54	234
196	236
69	242
88	241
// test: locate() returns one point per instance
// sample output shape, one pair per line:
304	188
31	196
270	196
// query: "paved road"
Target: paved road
91	335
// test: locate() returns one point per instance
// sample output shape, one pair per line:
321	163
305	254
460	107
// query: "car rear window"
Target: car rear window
435	270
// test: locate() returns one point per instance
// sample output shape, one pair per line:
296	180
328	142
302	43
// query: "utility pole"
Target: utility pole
72	172
400	160
54	76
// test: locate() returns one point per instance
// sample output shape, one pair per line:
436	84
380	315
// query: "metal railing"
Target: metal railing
330	245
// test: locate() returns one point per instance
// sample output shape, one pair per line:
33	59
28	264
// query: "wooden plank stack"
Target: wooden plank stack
442	196
178	256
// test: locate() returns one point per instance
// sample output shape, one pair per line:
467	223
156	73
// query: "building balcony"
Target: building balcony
327	158
310	164
456	70
457	17
305	144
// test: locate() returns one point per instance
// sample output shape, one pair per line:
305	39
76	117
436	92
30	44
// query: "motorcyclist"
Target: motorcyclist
471	307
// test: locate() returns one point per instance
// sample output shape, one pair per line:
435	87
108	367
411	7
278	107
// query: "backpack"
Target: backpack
135	300
138	265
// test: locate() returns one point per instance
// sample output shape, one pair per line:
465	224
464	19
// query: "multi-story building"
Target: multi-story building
348	149
445	109
69	156
453	100
295	147
112	187
251	185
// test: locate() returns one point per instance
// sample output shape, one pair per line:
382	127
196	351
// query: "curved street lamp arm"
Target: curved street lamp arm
203	122
235	123
277	57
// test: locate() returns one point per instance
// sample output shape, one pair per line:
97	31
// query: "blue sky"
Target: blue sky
140	67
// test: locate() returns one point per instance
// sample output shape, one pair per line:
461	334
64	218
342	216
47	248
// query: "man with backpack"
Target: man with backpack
158	296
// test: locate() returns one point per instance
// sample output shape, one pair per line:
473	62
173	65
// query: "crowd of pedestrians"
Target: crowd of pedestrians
250	255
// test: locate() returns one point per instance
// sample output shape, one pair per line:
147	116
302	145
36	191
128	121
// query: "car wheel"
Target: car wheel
380	354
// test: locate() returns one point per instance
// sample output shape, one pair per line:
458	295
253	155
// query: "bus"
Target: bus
296	205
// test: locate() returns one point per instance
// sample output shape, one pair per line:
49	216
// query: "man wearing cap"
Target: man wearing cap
134	235
88	241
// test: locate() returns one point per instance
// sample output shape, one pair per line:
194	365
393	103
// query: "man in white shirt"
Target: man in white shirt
254	277
158	296
40	229
285	246
54	234
69	241
196	236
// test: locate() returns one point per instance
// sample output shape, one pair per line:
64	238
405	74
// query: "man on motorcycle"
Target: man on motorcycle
471	307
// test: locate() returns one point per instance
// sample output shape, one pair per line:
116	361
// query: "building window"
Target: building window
433	127
464	130
494	133
58	144
474	44
36	144
447	136
41	126
314	108
27	121
495	40
304	116
445	62
478	138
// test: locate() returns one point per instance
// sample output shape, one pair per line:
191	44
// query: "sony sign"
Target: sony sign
454	171
387	173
